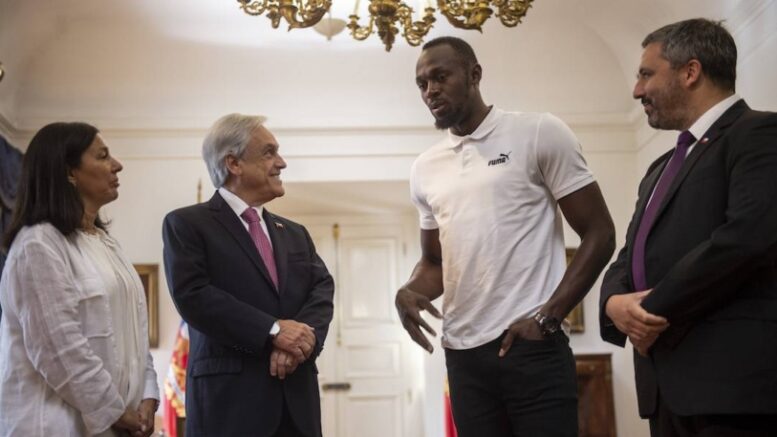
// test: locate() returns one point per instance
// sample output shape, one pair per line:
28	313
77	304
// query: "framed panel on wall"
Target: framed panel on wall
149	277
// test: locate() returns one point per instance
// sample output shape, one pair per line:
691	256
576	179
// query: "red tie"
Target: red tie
261	242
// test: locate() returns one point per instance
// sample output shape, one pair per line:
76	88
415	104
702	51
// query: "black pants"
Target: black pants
531	392
667	424
287	427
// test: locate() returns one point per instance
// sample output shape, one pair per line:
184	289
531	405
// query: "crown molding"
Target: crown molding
196	127
173	140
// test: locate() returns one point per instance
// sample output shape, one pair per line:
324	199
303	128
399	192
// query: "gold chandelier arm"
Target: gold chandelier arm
415	31
511	12
304	14
274	15
312	12
360	33
466	15
253	7
387	32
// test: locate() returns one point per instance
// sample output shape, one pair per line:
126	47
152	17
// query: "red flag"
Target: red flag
450	427
175	382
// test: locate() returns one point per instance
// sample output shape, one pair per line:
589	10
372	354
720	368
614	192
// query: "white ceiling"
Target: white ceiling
181	63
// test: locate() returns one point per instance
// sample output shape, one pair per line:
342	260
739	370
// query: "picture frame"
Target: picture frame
149	277
576	318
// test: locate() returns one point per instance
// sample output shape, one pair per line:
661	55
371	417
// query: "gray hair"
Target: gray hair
229	135
704	40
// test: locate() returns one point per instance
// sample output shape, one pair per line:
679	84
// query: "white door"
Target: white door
364	388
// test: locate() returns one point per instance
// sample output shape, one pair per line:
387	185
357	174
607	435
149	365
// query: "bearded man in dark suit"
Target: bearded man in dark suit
695	287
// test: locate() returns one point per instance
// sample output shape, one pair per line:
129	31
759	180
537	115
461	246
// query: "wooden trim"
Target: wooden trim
149	277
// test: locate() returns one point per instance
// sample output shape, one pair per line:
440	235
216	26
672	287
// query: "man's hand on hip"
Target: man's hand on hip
409	306
526	329
631	319
295	338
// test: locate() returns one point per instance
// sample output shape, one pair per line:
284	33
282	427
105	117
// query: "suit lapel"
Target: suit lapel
227	217
650	183
280	251
712	135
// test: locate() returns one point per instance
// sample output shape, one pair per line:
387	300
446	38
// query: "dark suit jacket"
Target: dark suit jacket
223	291
711	260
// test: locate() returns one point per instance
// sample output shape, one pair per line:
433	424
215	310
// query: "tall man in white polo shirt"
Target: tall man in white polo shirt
492	245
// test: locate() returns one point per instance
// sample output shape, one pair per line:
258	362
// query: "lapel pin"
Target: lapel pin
704	140
279	225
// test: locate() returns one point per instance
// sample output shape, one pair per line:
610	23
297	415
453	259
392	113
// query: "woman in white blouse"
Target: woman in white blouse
74	355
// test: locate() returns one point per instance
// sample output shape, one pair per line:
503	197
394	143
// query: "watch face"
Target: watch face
548	325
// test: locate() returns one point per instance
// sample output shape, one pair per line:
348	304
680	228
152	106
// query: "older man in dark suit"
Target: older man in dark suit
695	287
256	296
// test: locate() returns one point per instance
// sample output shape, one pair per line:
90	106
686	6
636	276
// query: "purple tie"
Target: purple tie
649	216
261	242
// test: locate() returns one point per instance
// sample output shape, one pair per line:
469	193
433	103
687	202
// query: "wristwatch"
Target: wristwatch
548	325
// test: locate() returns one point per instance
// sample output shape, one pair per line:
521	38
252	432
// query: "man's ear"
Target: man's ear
692	72
476	74
233	165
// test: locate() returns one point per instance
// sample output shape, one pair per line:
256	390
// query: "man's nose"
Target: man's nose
432	89
638	92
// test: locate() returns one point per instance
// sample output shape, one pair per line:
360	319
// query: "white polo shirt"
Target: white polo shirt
493	194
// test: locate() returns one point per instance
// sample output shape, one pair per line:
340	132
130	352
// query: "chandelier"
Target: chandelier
386	17
299	13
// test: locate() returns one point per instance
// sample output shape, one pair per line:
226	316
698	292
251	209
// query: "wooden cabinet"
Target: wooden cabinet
595	409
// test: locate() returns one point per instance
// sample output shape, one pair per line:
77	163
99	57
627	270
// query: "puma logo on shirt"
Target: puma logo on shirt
503	158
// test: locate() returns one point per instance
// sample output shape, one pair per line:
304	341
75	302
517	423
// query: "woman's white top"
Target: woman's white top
73	335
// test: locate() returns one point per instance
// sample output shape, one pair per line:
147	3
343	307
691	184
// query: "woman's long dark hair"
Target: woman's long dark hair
45	194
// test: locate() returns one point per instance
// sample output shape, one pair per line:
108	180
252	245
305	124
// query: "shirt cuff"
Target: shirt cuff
275	329
151	389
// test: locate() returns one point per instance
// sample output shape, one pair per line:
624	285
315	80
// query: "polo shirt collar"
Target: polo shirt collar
486	126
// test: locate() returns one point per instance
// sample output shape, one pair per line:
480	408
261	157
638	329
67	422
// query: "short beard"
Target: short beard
673	109
456	115
452	119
